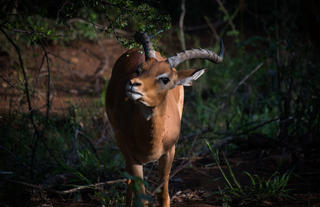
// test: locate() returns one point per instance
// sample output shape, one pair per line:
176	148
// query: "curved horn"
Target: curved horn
145	40
197	53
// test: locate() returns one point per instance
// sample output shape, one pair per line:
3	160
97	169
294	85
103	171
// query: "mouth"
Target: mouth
134	95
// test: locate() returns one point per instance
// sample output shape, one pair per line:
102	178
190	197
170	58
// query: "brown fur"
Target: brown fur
143	140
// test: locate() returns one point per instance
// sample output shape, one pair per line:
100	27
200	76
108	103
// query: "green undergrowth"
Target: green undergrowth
64	153
228	100
254	94
259	191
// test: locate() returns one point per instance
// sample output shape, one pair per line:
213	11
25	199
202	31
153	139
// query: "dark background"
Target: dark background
254	118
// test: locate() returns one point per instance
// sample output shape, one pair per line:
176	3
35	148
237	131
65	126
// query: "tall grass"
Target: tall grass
259	192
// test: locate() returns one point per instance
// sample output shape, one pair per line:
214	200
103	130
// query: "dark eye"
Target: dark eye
165	80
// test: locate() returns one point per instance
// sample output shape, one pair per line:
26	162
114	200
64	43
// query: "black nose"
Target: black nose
135	83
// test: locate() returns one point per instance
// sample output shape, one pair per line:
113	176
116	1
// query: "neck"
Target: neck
146	111
152	112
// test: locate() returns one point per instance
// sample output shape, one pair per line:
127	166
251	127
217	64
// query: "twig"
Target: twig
48	82
74	154
26	83
8	82
94	186
112	27
181	21
198	133
263	123
42	34
60	10
246	77
213	30
227	14
96	26
228	135
31	111
100	26
183	13
202	27
230	138
224	141
124	33
39	71
26	91
61	58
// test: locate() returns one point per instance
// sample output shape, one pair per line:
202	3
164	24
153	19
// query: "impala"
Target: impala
144	104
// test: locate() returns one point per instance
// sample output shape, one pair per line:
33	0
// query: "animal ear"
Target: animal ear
185	77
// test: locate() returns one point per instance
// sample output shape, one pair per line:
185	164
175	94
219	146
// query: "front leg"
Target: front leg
133	194
165	163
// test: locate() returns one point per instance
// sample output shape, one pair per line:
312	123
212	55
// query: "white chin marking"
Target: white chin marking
137	97
134	96
145	103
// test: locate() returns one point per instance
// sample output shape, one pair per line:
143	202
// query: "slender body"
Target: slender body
144	104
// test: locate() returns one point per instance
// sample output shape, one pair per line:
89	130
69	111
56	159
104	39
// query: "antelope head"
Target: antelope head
155	78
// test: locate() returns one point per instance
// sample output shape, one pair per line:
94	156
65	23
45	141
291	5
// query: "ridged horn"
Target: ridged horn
174	61
145	40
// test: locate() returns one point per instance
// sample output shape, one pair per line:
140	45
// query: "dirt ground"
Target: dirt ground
78	71
197	184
